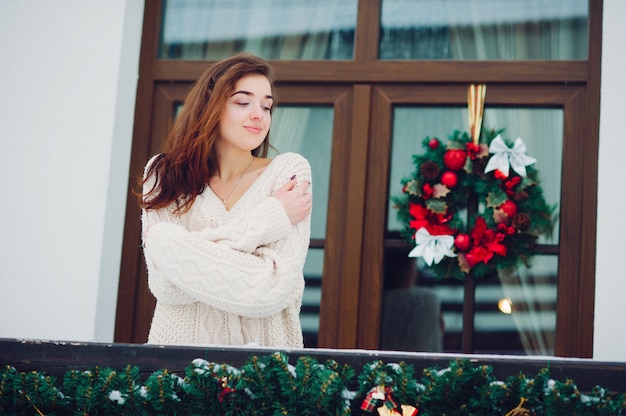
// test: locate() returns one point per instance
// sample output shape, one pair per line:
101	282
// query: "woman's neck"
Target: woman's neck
233	166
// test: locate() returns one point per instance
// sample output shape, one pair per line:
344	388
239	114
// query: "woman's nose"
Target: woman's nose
257	113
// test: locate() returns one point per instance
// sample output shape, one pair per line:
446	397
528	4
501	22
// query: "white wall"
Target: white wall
610	305
67	91
68	84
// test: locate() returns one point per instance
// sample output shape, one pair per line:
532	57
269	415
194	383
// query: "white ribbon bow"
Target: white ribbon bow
432	247
503	156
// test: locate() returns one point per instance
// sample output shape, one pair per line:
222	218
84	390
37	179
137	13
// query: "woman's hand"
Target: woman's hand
295	199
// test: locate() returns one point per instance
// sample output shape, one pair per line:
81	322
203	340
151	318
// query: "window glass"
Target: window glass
311	300
516	312
531	292
484	29
272	29
309	131
412	314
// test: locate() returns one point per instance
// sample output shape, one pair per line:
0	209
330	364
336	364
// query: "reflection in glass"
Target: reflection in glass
308	131
411	314
484	29
272	29
529	328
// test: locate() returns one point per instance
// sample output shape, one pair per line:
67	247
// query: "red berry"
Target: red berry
454	159
449	179
462	242
433	143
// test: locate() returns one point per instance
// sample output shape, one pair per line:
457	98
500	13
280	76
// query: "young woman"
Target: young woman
226	229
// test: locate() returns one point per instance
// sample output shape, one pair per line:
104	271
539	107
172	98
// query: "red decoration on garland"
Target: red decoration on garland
449	179
509	208
454	159
225	388
487	243
380	398
434	223
434	143
462	242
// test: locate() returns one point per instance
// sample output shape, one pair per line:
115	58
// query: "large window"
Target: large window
360	82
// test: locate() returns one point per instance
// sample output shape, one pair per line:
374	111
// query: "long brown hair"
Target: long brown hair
182	172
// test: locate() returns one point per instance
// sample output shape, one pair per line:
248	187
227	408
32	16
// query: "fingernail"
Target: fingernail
293	177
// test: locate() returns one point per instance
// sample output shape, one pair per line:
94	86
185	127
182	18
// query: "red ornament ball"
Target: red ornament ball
462	242
498	174
509	208
454	159
434	143
449	179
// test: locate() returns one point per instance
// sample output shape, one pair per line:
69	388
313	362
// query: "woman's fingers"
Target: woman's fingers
295	199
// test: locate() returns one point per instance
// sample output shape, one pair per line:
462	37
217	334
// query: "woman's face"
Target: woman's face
246	118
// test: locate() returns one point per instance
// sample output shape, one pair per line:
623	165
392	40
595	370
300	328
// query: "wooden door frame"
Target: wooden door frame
573	298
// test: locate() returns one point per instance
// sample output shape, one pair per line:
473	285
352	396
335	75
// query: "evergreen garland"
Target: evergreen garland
270	385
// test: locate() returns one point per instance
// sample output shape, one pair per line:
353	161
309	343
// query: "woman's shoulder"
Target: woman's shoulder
289	159
291	163
151	161
282	168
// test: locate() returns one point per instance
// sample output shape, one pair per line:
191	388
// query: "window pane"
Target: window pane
484	29
516	312
309	131
532	291
272	29
412	318
310	312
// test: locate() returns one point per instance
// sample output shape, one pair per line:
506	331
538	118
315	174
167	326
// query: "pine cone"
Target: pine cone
521	221
480	163
520	196
429	170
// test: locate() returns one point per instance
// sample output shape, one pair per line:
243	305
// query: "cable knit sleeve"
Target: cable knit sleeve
161	288
256	283
268	222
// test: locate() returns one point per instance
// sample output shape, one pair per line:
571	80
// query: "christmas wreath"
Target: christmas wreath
492	184
495	183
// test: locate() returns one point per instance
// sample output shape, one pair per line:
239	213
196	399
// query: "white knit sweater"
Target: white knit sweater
229	277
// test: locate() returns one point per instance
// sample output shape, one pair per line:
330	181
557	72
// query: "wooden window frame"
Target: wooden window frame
353	247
